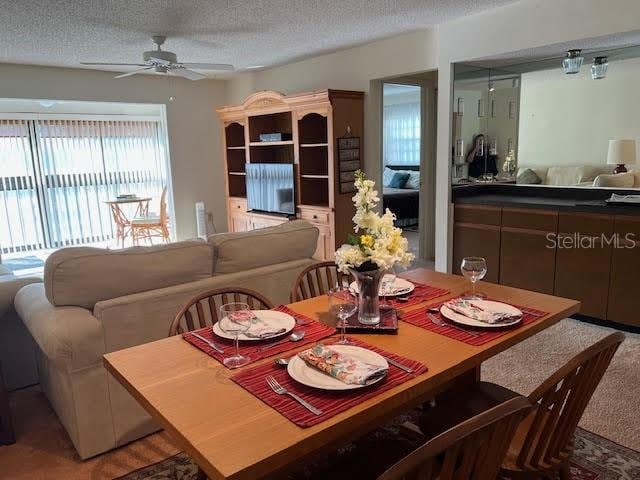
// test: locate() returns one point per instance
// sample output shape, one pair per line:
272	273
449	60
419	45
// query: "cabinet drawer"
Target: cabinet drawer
587	224
546	220
315	216
623	291
478	214
237	205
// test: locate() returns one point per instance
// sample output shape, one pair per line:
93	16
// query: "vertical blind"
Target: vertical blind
401	120
55	176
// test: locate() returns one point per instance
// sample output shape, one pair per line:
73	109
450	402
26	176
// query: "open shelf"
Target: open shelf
314	191
277	154
234	135
271	144
312	145
312	129
236	160
271	123
314	161
237	185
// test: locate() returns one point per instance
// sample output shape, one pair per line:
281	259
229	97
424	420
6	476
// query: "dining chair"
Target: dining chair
121	222
152	226
543	442
202	310
473	449
316	280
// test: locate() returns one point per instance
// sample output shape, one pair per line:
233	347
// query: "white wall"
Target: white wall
569	119
192	124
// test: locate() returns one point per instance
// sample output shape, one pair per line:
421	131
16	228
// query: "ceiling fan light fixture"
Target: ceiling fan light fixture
572	62
599	68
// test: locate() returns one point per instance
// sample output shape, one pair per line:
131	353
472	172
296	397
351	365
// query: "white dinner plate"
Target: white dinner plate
270	317
301	372
400	287
470	322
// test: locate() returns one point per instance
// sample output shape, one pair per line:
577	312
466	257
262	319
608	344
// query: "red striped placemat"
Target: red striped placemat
476	337
313	329
422	293
330	402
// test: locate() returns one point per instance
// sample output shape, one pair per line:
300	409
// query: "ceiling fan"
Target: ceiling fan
162	61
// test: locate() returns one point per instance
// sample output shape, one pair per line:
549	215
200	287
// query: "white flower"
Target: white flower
380	241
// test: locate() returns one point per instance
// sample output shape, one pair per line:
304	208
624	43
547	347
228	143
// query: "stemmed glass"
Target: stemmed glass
473	269
342	304
235	318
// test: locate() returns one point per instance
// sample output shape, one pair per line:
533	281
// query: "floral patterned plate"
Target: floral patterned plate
301	372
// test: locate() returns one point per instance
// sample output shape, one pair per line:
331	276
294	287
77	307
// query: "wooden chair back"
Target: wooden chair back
203	310
316	280
473	449
560	402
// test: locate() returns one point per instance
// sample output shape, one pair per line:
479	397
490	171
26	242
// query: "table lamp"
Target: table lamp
621	152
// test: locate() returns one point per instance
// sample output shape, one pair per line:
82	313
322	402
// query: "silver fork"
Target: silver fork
442	323
280	390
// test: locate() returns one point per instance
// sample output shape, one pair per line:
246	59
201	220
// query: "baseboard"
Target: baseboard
606	323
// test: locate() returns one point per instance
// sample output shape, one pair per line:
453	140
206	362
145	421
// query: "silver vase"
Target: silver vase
368	291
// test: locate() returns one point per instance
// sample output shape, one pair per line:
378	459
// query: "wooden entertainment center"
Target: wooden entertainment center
314	122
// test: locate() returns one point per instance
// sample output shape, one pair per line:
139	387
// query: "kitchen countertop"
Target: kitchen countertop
588	200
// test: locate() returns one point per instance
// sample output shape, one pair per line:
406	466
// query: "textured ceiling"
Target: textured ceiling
241	32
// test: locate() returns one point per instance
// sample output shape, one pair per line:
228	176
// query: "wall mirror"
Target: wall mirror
568	120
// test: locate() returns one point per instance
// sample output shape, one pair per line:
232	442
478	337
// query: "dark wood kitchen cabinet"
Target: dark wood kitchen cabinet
476	233
624	298
527	256
583	260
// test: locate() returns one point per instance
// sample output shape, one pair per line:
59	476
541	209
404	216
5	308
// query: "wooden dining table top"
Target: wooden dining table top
233	435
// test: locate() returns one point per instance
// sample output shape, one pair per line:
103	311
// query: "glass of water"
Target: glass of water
473	269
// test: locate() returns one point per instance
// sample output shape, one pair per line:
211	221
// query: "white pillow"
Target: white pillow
387	176
413	182
619	180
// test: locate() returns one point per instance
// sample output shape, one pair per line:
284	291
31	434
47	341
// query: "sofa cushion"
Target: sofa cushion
620	180
235	252
82	276
571	175
527	176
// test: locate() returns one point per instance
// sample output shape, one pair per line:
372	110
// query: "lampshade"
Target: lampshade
621	152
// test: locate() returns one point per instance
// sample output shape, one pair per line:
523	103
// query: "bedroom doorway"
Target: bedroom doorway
408	150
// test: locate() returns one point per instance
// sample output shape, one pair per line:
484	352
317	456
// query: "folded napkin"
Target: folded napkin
342	367
483	312
258	328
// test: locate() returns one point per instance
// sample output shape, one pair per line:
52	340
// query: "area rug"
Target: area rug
595	458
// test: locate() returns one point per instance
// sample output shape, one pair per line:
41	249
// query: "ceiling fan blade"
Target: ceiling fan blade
160	61
115	64
128	74
186	73
209	66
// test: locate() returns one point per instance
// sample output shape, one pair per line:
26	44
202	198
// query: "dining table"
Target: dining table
121	216
232	434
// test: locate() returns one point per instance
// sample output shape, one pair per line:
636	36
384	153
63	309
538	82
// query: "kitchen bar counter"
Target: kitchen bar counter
586	200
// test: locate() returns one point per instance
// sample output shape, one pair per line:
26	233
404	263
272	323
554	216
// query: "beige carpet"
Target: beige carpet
44	451
614	409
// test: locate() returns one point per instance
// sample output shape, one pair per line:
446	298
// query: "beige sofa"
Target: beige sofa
96	301
17	349
585	176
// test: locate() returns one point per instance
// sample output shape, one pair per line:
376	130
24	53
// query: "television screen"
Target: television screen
270	187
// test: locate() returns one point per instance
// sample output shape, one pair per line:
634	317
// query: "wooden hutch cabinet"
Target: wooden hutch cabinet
313	121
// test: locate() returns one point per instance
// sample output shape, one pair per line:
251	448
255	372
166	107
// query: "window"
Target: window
55	176
401	124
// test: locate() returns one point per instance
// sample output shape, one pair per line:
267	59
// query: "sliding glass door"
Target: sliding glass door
55	176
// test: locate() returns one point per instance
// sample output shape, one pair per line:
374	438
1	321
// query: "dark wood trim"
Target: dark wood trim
7	435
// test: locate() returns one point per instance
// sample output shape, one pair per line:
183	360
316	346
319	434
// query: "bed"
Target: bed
404	202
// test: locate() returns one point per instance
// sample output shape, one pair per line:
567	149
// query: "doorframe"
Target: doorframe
428	151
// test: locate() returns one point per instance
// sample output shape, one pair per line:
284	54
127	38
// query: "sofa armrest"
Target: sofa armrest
71	337
9	286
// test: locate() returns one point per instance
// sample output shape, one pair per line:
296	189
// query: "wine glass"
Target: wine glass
342	304
235	318
473	269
